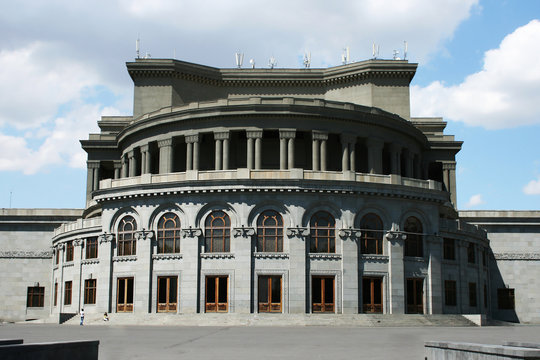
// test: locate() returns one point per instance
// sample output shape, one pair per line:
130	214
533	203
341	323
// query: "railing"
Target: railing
77	225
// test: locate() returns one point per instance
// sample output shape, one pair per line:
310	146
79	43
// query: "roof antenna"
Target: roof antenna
346	56
396	53
405	51
239	59
252	62
375	51
137	47
272	62
307	59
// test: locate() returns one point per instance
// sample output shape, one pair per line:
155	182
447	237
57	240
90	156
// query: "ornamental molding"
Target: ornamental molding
217	256
175	256
78	242
270	255
191	232
349	233
144	235
297	232
68	264
287	134
324	256
374	258
517	256
243	231
192	138
31	254
106	237
254	134
394	236
124	258
221	135
319	135
89	261
414	259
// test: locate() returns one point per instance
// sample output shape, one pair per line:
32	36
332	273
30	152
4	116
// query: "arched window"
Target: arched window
218	232
126	236
270	232
414	241
323	238
168	234
372	236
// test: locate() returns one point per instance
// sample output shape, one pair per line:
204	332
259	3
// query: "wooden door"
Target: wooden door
217	294
372	294
124	295
322	294
269	293
167	293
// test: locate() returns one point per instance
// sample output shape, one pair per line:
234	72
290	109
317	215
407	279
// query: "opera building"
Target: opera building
287	191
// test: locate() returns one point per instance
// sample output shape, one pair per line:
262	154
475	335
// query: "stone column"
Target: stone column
351	298
298	290
462	281
105	301
125	166
92	178
145	159
117	164
352	156
132	165
61	249
226	154
286	137
165	156
254	159
258	152
77	290
449	178
319	150
143	274
375	148
347	150
435	296
192	153
323	154
242	246
218	159
315	158
344	156
395	159
249	160
396	276
222	150
190	248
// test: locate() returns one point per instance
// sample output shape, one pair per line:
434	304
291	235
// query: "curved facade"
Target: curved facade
279	190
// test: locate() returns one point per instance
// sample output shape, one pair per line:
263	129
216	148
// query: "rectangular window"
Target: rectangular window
92	248
217	294
90	291
35	296
471	256
449	251
322	294
69	251
269	293
167	293
55	293
372	294
414	245
67	292
506	299
472	294
124	295
56	256
450	293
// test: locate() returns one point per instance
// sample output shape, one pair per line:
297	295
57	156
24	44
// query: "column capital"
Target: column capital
287	133
165	142
131	154
78	242
145	148
117	164
297	232
106	237
449	165
193	138
254	133
349	233
374	143
221	135
144	234
93	164
319	135
243	231
191	232
348	138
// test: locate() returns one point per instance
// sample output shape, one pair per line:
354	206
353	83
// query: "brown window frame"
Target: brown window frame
372	307
91	251
270	236
268	283
57	256
449	249
35	297
69	251
323	306
371	227
450	293
506	299
90	290
414	243
68	289
127	245
167	235
55	294
216	306
415	307
168	305
217	234
126	305
322	236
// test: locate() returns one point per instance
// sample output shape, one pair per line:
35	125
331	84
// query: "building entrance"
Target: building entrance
415	296
372	294
322	294
167	293
217	294
269	293
124	295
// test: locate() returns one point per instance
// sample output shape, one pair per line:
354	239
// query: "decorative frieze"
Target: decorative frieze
374	258
124	258
324	256
270	255
175	256
30	254
89	261
217	256
517	256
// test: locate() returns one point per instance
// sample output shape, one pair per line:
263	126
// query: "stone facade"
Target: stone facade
279	190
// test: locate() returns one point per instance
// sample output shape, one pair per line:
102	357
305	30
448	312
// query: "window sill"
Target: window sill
124	258
374	257
89	261
414	258
325	256
217	255
168	256
271	255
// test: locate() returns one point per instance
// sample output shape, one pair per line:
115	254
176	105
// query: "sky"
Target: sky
62	66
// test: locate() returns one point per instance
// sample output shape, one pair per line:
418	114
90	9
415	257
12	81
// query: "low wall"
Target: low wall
438	350
69	350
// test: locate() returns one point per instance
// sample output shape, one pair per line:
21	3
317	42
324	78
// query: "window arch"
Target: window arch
168	234
270	232
414	241
322	231
217	232
126	236
372	236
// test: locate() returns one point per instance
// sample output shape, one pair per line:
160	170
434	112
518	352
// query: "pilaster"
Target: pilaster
165	156
104	296
396	270
435	283
349	267
190	248
242	248
298	289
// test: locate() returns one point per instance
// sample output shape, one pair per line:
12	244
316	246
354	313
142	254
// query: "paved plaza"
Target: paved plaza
248	342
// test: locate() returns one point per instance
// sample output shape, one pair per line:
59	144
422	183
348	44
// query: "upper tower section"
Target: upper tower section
163	83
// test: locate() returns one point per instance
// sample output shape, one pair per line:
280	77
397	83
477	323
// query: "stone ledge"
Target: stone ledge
174	256
217	256
324	256
124	258
270	255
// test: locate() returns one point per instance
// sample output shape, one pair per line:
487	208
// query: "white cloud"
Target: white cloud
474	200
504	94
533	187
